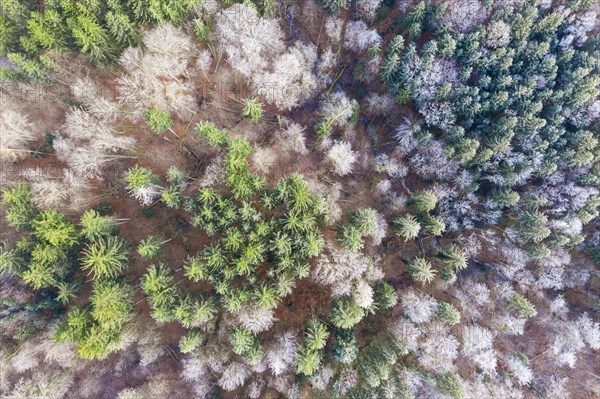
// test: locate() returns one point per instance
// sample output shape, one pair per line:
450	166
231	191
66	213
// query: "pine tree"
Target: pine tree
532	226
451	385
143	184
17	10
374	362
204	310
196	269
48	30
76	325
385	296
201	30
335	6
25	69
415	20
505	197
10	262
365	220
174	11
140	10
8	36
241	340
246	344
172	197
39	275
433	224
350	237
66	291
212	134
266	296
159	285
138	177
106	257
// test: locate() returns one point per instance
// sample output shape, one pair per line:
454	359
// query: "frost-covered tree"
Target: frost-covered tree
294	139
478	347
358	37
368	8
17	131
290	81
282	354
519	368
420	308
338	264
249	40
157	76
255	318
363	294
72	192
88	144
234	376
439	349
342	158
336	111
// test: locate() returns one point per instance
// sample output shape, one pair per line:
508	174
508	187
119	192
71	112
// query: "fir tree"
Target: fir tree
421	270
407	227
150	247
423	201
522	304
448	313
105	257
253	109
95	226
345	313
191	341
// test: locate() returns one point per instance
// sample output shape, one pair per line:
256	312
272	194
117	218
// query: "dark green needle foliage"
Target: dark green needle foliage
512	109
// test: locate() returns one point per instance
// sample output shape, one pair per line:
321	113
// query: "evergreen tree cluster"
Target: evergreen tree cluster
511	102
